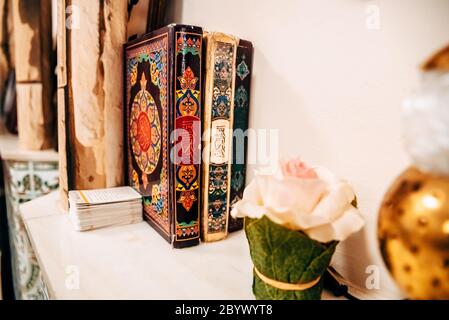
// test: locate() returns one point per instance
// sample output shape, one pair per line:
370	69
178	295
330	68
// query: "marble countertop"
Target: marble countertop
132	261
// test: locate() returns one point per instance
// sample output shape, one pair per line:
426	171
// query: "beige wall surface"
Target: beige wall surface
331	76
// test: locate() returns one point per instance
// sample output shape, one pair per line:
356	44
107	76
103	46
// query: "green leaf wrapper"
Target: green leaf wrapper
287	256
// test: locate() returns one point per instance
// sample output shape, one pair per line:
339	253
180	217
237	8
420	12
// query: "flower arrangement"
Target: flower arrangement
294	219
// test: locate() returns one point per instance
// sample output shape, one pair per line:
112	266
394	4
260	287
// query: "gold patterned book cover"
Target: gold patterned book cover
217	137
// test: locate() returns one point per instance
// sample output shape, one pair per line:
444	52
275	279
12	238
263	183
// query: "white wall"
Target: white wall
334	87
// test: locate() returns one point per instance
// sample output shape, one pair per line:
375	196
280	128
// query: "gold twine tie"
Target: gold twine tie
287	286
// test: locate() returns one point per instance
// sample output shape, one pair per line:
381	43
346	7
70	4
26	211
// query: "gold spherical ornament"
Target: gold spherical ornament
414	234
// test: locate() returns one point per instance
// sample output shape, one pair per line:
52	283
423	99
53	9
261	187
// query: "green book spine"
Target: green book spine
243	72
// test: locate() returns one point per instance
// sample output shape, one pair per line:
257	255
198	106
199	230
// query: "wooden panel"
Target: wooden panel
138	18
63	179
34	130
33	47
4	59
89	74
61	72
33	42
114	37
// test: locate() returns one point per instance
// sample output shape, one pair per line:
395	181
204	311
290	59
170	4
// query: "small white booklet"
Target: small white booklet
103	196
92	209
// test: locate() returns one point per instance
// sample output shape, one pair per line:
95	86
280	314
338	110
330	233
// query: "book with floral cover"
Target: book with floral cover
163	128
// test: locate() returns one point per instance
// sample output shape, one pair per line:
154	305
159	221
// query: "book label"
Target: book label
219	152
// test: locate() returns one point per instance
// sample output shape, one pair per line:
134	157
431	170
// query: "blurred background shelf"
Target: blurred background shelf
10	149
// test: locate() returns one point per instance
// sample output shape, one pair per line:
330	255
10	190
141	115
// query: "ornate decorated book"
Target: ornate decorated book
163	129
242	75
217	137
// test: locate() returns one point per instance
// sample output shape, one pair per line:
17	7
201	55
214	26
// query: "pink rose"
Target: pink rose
314	201
296	168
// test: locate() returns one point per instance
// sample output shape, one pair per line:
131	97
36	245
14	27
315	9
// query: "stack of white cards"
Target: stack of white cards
92	209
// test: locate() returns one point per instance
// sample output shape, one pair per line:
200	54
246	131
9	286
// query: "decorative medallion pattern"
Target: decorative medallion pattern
145	130
241	97
146	89
242	69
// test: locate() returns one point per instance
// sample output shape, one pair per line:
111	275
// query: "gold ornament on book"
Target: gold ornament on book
414	216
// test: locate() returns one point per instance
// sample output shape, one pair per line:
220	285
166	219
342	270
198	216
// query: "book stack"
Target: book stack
93	209
187	95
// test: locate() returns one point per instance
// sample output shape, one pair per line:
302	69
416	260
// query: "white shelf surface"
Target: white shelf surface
132	261
10	149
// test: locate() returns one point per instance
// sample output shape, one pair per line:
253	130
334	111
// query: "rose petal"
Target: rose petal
252	193
335	202
293	220
296	168
290	193
282	219
348	223
304	220
245	208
